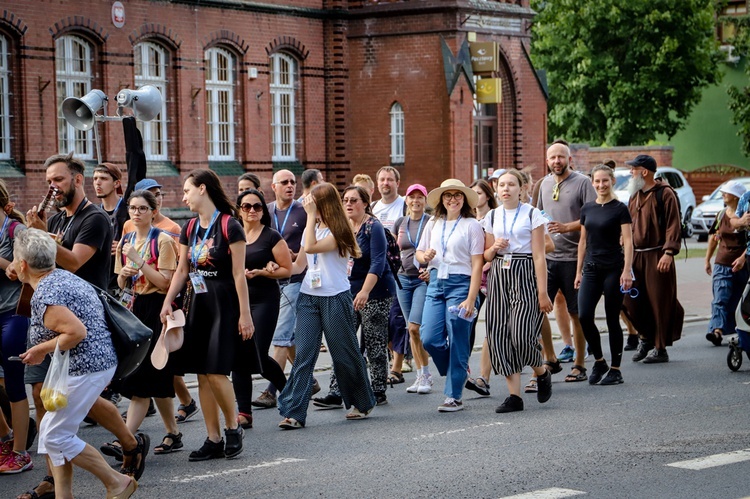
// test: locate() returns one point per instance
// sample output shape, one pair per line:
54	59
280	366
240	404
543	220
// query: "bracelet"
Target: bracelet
142	264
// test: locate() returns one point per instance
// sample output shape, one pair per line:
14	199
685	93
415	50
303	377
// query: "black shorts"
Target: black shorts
561	276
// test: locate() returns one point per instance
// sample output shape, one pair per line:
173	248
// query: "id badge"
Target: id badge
315	278
506	262
126	298
199	283
349	266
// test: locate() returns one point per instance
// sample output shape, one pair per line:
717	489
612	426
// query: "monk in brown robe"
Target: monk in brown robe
657	228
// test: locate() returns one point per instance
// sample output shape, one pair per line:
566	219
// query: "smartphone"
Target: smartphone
15	357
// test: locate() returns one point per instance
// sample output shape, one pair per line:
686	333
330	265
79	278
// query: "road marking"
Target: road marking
457	430
703	463
207	476
552	493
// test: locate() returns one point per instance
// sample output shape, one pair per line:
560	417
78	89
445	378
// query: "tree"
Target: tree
623	71
739	98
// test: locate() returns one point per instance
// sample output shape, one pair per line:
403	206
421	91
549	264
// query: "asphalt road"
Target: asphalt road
619	441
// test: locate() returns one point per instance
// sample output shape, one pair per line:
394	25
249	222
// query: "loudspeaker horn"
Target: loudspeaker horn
145	102
80	113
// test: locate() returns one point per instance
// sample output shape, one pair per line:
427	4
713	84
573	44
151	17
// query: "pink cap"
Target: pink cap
417	187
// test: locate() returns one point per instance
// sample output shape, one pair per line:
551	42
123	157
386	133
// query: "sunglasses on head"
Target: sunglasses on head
287	182
247	207
556	192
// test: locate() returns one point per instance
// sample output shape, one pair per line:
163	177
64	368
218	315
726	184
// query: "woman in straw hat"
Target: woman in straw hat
452	247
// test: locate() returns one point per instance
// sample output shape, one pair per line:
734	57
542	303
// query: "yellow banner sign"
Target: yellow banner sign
489	90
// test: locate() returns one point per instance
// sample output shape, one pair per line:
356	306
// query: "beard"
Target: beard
67	198
635	184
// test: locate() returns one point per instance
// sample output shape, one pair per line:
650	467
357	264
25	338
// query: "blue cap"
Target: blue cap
146	184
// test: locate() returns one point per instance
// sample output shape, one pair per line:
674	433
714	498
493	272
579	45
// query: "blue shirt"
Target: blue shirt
374	260
742	208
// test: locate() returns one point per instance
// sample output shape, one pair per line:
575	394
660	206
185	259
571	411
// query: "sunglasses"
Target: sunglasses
351	200
556	192
139	209
247	207
453	195
286	182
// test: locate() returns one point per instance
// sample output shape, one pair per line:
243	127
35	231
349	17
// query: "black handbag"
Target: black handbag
131	337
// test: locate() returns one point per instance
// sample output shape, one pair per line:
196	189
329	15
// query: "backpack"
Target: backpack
393	255
224	227
662	220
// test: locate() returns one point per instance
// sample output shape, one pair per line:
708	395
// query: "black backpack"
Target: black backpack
393	254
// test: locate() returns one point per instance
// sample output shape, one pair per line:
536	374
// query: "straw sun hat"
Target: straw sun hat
452	184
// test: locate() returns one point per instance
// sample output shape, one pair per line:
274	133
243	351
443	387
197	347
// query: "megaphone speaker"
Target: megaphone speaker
80	113
146	101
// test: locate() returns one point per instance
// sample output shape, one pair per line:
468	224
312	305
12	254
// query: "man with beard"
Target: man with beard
561	196
108	188
655	313
391	206
82	231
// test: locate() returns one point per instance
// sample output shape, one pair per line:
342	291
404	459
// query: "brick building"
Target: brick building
344	86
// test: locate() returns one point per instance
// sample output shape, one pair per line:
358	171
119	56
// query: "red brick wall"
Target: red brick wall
585	157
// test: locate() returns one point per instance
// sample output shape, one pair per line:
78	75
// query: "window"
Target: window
151	69
220	104
4	99
397	134
485	139
73	71
283	83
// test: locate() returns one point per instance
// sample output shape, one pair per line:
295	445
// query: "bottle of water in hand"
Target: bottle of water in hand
461	313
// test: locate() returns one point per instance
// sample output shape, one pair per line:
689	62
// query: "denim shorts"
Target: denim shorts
283	336
411	298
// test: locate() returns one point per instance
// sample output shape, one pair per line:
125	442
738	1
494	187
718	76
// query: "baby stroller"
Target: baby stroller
741	343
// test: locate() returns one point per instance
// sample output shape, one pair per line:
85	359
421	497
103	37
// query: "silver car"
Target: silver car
705	213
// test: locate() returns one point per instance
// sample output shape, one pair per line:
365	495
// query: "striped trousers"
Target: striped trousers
514	321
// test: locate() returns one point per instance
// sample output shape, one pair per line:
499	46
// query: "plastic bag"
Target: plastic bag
54	393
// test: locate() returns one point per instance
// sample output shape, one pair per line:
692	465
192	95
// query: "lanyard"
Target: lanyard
193	253
75	214
5	226
276	218
513	224
419	231
142	253
443	242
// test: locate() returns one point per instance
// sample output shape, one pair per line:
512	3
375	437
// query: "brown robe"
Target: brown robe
655	313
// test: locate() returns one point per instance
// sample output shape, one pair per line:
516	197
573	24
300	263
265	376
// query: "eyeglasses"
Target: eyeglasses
139	209
453	195
286	181
247	207
556	192
351	200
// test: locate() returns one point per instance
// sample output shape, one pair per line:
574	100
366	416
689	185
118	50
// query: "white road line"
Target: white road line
552	493
457	430
207	476
703	463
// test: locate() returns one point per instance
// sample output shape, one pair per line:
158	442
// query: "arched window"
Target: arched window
73	61
151	69
283	85
5	113
398	149
220	104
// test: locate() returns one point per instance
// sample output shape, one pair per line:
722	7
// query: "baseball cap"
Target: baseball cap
498	173
417	187
146	184
733	188
644	161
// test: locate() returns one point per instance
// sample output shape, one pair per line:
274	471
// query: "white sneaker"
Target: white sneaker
417	382
425	386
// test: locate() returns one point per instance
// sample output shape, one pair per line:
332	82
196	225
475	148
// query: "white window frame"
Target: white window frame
398	143
5	132
220	127
283	101
68	79
155	138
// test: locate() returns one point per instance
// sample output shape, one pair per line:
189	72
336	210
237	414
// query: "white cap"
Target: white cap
733	188
497	173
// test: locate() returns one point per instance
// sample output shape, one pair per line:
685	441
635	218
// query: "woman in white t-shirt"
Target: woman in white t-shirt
516	291
452	246
325	306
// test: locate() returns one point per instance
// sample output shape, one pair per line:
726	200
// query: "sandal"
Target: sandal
127	492
33	494
581	376
112	449
188	411
165	448
291	424
395	378
141	450
553	367
356	414
248	423
714	337
531	387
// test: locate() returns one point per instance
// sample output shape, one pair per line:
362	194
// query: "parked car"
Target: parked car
705	213
674	178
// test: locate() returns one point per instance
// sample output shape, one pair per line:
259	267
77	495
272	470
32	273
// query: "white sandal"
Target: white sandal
357	414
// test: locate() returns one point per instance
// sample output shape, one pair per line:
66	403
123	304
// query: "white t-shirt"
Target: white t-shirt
518	234
389	213
332	267
461	243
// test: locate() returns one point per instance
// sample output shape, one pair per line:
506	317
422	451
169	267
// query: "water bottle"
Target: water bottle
546	215
461	313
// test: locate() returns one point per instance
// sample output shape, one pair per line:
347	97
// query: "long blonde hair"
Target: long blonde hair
7	206
332	214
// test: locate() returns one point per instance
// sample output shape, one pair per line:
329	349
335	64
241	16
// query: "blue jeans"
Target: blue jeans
283	336
728	287
444	335
411	298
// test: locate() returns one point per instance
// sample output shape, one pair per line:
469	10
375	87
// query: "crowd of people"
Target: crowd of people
411	272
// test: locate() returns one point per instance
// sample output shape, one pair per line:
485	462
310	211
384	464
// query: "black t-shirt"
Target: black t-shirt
603	229
117	218
214	258
89	226
290	227
257	255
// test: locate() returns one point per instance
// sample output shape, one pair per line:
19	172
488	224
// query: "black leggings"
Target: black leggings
598	280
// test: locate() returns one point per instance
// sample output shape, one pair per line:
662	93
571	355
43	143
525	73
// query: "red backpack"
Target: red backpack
224	227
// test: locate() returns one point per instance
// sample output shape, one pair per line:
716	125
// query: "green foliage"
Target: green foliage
623	71
739	98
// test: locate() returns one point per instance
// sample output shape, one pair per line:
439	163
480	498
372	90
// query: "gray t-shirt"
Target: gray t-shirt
290	223
10	291
575	191
408	234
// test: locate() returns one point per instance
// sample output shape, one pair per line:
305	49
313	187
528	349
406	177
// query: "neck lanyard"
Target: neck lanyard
193	253
75	214
5	226
114	212
505	230
419	231
142	253
443	241
276	218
